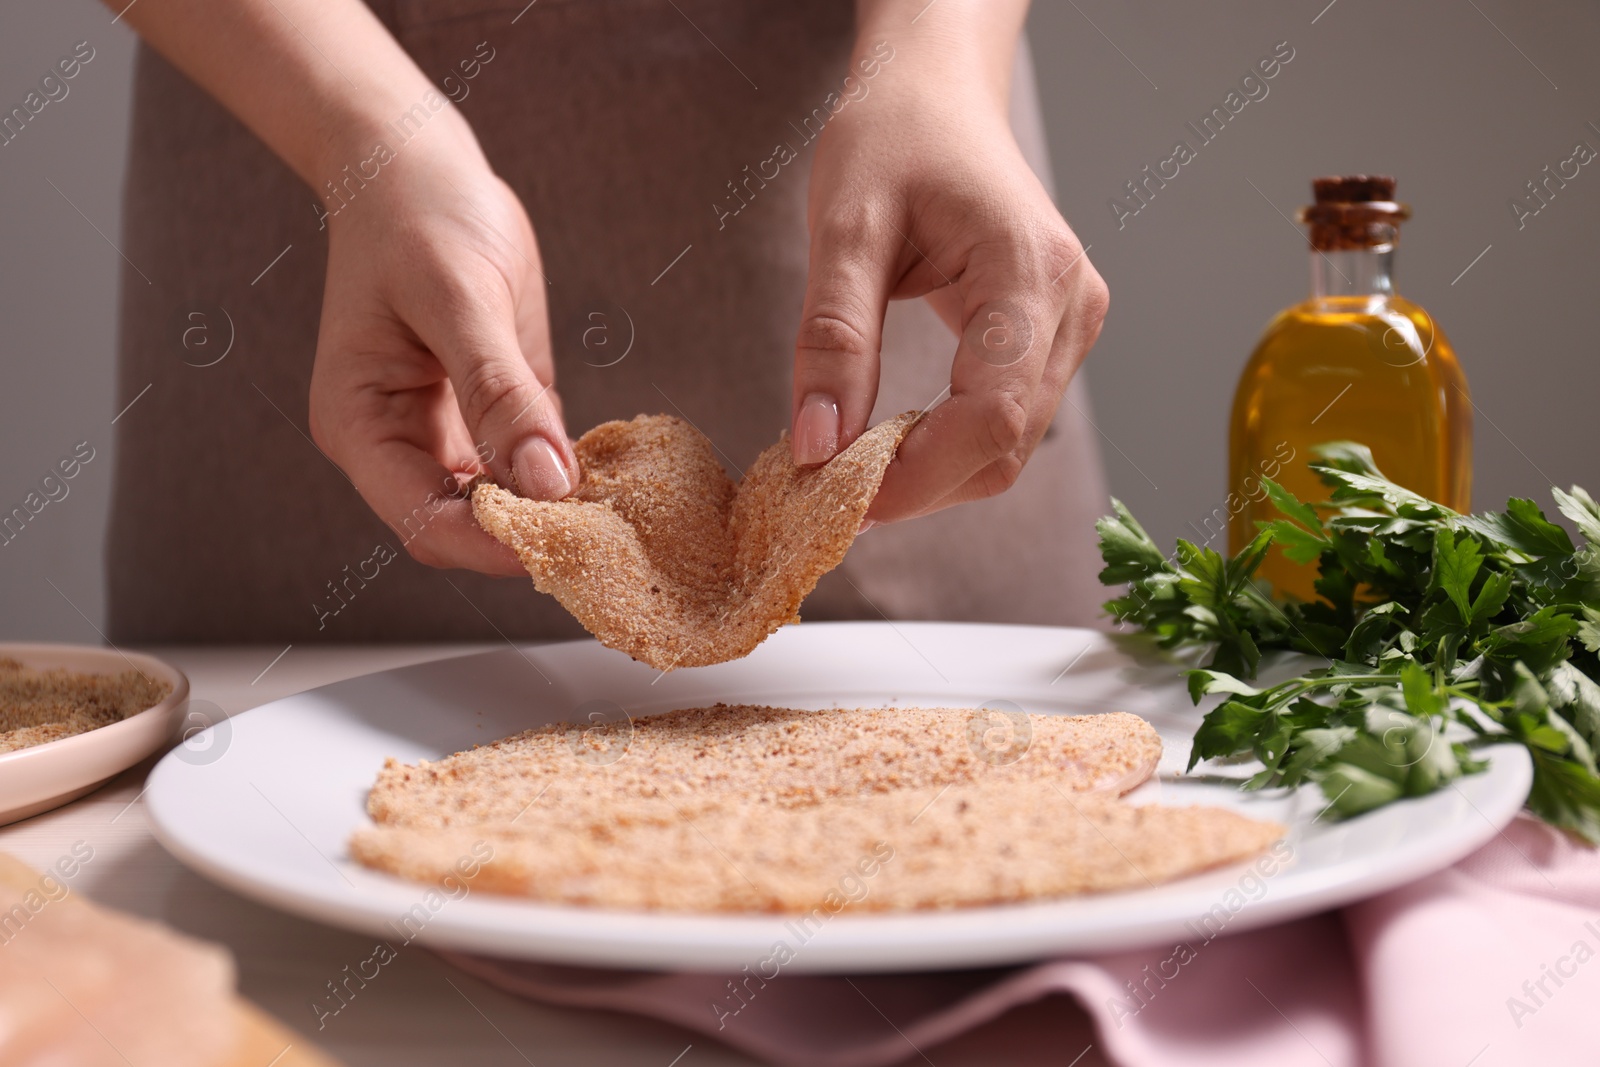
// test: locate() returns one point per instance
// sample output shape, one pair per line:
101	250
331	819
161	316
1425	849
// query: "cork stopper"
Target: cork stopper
1353	188
1353	211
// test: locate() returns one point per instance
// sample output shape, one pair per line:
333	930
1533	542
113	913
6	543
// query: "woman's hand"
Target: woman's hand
919	189
433	360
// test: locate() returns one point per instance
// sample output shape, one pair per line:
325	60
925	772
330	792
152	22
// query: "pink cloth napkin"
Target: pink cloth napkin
1494	962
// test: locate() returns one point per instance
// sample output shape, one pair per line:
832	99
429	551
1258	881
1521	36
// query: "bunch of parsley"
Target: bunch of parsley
1446	633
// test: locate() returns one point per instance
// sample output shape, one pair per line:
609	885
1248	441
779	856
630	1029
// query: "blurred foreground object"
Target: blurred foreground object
87	986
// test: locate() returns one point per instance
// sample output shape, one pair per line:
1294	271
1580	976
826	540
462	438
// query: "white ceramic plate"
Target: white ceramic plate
36	779
270	814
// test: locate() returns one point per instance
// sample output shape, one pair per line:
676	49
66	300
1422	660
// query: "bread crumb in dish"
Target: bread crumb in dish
37	706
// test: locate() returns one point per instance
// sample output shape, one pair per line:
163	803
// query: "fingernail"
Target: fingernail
539	471
816	430
866	524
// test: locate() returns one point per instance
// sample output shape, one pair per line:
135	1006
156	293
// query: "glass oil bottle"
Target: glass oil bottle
1356	362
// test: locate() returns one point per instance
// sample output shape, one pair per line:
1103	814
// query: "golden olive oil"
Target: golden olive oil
1356	362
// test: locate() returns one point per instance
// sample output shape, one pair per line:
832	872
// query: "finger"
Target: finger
1004	472
841	333
999	361
423	502
1019	348
1071	337
511	414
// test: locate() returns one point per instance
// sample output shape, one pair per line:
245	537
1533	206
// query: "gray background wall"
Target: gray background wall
1464	101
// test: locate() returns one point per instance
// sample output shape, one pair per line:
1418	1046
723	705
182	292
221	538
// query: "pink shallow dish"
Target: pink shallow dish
36	779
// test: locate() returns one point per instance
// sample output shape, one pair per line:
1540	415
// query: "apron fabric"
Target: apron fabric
620	126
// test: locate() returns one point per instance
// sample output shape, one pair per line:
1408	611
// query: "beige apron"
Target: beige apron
620	124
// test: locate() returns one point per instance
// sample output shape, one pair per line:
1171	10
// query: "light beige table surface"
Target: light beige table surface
411	1015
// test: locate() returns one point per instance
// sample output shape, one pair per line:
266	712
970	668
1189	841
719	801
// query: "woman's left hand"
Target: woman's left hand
919	189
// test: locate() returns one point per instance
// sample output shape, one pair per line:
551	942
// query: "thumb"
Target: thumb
836	357
506	407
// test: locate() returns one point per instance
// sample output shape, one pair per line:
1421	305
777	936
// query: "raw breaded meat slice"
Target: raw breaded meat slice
990	842
699	757
659	555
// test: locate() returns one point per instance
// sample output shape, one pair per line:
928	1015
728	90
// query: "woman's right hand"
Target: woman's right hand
433	360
